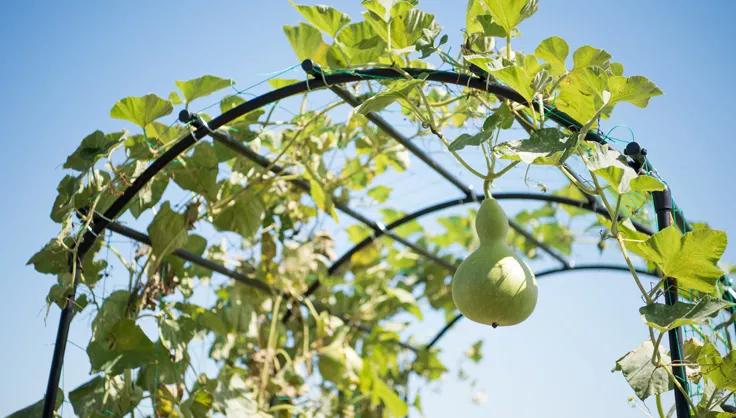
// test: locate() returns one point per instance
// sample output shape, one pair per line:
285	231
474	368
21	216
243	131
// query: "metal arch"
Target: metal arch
324	80
582	267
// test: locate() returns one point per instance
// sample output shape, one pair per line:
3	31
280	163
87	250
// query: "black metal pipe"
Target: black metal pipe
541	274
663	207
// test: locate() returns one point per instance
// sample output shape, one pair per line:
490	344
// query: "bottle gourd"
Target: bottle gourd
493	285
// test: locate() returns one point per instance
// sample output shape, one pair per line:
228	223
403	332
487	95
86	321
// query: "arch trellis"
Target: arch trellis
319	80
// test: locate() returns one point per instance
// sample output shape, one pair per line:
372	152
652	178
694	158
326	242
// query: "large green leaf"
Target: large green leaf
692	259
642	375
507	13
243	214
307	43
325	18
36	410
202	86
93	147
554	51
405	26
141	110
636	90
666	317
545	146
359	43
109	396
124	346
198	172
587	56
719	370
168	231
645	183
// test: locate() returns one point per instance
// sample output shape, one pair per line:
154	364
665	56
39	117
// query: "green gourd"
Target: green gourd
493	285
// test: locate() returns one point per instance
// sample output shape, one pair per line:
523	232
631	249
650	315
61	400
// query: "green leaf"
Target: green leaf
202	86
501	118
36	410
666	317
587	56
473	13
554	50
645	183
307	43
168	231
197	172
609	164
379	193
112	395
719	370
464	140
93	147
125	346
475	352
244	214
692	259
406	299
325	18
360	44
545	146
141	110
394	404
507	13
518	79
643	377
636	90
321	197
277	83
398	90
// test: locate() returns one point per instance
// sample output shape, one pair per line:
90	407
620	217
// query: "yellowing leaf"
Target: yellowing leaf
141	110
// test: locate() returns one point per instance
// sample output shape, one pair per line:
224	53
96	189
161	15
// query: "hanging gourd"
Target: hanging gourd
493	285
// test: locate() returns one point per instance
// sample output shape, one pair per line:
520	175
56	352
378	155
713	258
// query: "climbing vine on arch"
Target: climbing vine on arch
296	334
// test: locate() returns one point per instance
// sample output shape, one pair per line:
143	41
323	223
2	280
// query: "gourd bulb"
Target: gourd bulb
493	285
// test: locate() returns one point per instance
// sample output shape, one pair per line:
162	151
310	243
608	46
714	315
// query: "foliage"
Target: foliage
341	351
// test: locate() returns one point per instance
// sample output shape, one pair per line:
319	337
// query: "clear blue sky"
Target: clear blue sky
66	63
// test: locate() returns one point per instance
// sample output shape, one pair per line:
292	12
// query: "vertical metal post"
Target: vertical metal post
663	207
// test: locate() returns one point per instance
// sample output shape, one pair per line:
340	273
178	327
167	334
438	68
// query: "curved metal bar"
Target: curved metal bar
325	80
589	206
541	274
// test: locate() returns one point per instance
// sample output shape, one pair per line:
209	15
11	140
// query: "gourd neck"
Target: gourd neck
491	222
